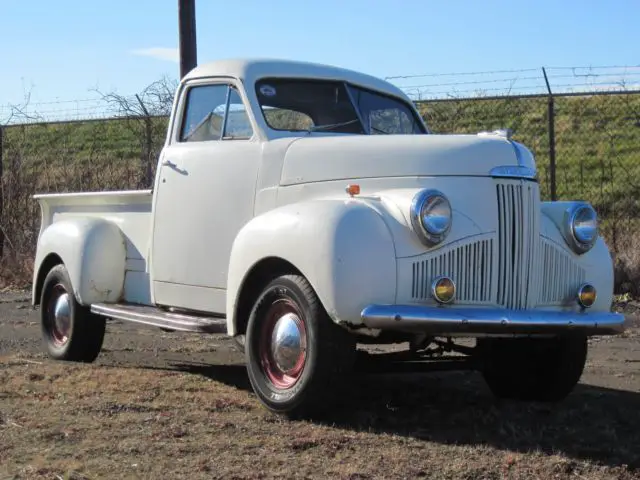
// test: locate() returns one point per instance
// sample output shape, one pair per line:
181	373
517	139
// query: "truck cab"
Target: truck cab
304	209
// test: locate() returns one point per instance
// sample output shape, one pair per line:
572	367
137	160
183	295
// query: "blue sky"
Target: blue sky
61	49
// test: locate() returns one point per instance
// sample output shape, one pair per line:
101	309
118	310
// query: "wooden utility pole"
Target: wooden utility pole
187	33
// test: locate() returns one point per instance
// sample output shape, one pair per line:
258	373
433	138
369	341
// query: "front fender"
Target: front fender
596	264
342	247
94	253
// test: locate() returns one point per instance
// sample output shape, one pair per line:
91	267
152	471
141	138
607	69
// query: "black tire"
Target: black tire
78	338
329	350
544	370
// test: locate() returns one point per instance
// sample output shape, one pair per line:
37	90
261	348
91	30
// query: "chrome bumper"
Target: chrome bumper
482	321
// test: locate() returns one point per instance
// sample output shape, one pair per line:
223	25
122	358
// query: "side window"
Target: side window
204	113
238	124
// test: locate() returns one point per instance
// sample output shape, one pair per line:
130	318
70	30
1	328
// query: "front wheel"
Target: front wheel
533	369
69	330
295	354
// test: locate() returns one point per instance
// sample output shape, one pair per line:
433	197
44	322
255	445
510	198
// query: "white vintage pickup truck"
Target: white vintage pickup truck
304	209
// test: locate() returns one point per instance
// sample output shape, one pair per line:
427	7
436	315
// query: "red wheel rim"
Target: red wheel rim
58	315
283	344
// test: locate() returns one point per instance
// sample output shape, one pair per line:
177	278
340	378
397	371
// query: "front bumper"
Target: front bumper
489	321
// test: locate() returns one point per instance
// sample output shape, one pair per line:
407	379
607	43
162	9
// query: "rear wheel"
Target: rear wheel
533	369
69	330
295	354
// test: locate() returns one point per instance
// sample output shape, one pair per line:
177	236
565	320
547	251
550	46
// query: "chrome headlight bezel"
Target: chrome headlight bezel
429	233
581	238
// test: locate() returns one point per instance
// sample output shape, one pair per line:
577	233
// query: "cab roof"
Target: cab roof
252	70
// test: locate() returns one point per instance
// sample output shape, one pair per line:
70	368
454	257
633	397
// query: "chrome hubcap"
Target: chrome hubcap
62	313
283	344
60	316
286	343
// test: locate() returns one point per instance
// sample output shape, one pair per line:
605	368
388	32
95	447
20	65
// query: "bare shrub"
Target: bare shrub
16	270
31	170
627	272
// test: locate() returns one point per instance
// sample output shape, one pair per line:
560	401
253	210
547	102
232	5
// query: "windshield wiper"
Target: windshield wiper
197	127
315	128
379	130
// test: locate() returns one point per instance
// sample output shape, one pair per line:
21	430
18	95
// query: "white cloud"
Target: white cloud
161	53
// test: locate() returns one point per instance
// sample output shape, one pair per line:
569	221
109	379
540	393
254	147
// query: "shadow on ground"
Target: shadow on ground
593	423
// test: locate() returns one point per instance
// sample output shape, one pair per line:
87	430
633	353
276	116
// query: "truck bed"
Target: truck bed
129	209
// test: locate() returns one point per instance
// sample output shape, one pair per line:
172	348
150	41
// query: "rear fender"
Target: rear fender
94	252
343	248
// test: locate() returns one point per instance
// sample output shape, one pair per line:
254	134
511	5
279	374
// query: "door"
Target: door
205	194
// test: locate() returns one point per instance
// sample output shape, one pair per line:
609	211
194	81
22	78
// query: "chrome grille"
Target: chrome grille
518	220
559	277
470	266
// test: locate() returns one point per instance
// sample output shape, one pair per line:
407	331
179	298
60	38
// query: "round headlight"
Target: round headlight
431	216
583	225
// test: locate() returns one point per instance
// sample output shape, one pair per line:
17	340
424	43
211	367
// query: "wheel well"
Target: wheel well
48	263
262	272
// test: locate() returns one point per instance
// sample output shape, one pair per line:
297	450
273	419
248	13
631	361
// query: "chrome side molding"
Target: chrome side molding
513	171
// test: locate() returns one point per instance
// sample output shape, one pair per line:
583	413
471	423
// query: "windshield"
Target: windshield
333	106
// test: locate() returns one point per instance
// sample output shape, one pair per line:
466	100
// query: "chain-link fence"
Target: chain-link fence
587	147
594	140
527	117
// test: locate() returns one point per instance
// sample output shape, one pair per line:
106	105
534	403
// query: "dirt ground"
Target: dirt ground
165	405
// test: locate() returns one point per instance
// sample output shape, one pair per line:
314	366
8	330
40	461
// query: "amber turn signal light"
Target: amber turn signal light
443	289
353	189
587	295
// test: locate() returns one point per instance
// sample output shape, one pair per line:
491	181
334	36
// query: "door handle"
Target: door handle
168	163
173	166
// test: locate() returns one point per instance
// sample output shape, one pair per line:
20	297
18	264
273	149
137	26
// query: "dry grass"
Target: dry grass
159	405
201	422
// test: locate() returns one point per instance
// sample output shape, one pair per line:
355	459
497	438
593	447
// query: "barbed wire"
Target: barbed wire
562	80
491	72
428	86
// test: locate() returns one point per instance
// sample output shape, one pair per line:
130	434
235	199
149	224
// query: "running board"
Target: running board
156	317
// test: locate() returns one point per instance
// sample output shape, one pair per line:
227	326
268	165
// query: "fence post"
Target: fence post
552	139
1	191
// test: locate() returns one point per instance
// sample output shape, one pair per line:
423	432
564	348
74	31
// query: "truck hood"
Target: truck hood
326	158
